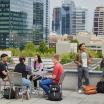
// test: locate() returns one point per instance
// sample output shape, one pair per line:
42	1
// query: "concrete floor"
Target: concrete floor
69	97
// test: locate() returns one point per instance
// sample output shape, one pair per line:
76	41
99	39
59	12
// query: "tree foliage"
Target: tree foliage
75	41
67	57
43	47
30	50
95	54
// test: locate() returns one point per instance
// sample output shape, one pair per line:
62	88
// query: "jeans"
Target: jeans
26	82
83	73
45	84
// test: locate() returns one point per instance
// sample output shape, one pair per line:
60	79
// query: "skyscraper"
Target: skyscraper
71	19
16	21
41	10
66	17
99	21
78	20
56	22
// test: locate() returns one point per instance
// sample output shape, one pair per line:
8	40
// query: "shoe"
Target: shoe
80	91
20	93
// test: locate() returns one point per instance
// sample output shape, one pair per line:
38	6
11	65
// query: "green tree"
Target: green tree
15	51
43	48
29	49
51	50
75	41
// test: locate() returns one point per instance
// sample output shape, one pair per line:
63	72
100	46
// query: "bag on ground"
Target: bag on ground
100	87
55	94
90	89
7	93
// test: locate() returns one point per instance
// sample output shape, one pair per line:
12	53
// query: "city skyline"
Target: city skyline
87	4
69	19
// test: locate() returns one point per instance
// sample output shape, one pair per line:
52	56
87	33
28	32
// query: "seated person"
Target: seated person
21	68
55	77
38	67
3	67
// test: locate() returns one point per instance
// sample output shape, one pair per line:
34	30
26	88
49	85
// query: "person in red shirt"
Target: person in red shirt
55	77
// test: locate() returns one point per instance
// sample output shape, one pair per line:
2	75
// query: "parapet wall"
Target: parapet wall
71	80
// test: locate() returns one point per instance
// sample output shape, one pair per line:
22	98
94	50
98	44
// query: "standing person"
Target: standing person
21	68
3	67
55	77
37	67
83	59
102	66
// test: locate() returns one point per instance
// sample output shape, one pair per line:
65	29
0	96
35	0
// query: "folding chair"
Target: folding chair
61	80
15	80
0	86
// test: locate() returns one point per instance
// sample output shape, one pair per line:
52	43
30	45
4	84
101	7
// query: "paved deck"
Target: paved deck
69	97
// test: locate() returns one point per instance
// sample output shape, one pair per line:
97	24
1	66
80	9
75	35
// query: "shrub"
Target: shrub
67	57
98	68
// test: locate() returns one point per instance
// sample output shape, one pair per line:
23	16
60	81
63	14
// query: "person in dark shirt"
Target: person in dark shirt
21	68
3	66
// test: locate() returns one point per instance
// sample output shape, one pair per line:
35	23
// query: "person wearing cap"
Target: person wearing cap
3	67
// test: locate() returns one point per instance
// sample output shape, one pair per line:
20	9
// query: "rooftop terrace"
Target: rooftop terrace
69	97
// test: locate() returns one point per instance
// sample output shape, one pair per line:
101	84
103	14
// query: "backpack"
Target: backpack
100	87
55	94
7	93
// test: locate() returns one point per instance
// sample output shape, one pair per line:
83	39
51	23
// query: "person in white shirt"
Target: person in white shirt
83	59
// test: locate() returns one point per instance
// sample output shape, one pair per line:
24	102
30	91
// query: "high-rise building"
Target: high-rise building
56	22
66	17
99	21
78	21
41	10
16	22
38	11
70	20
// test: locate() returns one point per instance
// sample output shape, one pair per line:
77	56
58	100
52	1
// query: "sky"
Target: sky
88	4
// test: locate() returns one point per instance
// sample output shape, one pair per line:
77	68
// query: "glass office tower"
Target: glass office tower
41	20
16	21
68	19
56	22
38	11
